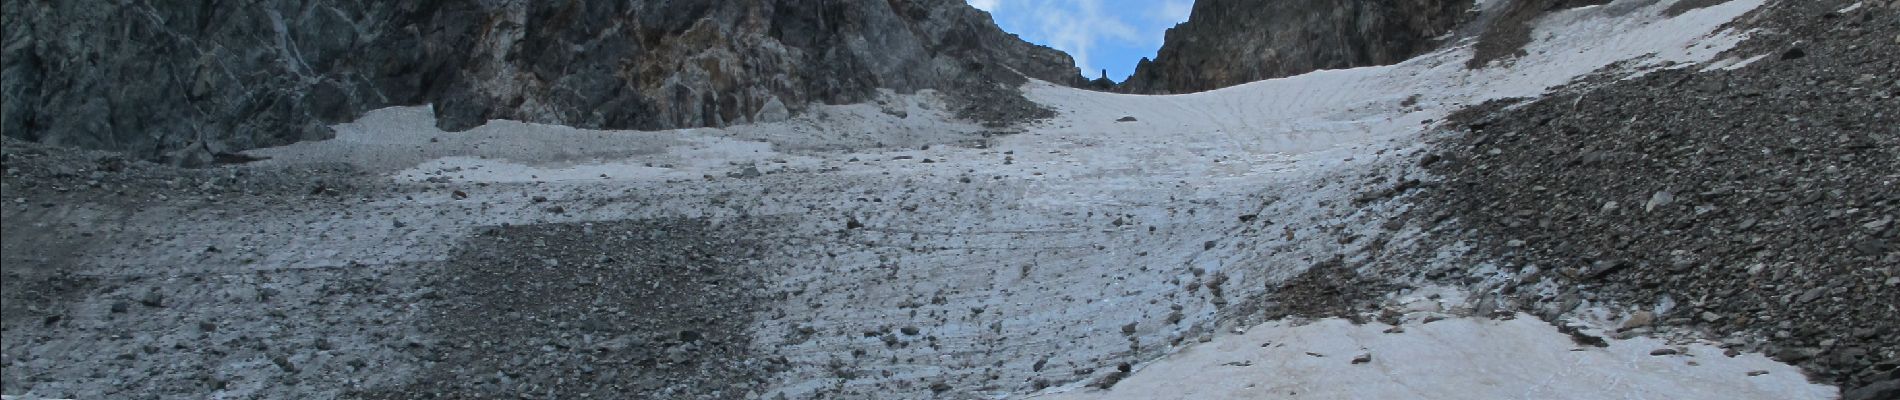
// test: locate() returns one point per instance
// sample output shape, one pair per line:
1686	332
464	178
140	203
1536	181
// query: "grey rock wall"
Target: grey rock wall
1230	42
183	81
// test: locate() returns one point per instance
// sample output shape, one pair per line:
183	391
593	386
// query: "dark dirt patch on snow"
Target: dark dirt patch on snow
993	97
1328	289
646	309
1506	34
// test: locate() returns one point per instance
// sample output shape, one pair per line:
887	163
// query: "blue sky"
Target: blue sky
1100	34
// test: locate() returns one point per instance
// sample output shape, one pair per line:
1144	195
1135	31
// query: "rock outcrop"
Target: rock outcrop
184	81
654	65
1230	42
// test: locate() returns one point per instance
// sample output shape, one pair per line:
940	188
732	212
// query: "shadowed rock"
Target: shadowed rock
183	81
1230	42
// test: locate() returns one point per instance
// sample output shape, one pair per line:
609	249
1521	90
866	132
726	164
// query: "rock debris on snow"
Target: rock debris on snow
1611	182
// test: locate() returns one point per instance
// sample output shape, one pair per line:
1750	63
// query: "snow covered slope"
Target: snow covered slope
917	256
1520	358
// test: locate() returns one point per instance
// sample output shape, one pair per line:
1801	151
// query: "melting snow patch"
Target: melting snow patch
1521	358
1731	63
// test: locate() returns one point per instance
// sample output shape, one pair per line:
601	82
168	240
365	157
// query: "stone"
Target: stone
1602	268
153	299
1585	339
1362	358
1710	316
1660	199
1871	247
1793	355
1794	53
284	364
1639	319
1810	295
774	110
1486	307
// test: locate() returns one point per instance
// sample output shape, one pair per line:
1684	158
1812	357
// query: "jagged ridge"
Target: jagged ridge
182	82
1230	42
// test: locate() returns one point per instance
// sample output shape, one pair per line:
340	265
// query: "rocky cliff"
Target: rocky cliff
1230	42
184	81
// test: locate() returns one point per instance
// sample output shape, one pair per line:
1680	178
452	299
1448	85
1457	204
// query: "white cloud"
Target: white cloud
1095	32
1170	11
1076	26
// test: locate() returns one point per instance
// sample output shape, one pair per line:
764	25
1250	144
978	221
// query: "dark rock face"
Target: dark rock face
1230	42
182	81
185	80
655	65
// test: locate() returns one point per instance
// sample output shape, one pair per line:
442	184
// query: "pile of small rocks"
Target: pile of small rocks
1758	204
647	308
